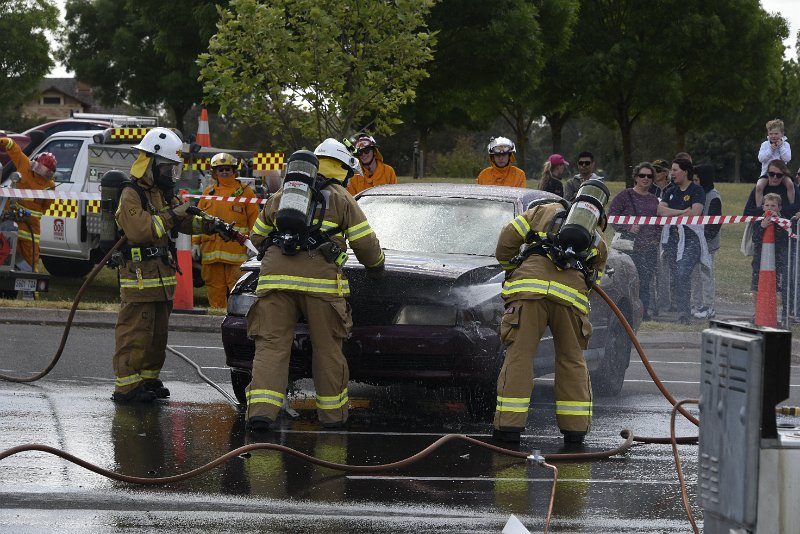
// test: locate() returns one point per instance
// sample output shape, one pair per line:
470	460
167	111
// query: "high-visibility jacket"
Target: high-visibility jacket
29	227
213	248
151	279
384	174
508	175
309	272
537	276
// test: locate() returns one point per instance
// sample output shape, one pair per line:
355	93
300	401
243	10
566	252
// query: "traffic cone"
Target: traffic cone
184	291
767	295
203	136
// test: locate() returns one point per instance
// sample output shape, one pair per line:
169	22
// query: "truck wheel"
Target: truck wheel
239	381
608	378
66	267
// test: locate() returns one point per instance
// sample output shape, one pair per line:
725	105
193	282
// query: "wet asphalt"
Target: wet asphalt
458	488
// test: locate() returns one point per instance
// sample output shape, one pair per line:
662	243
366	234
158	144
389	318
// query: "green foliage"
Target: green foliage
143	52
317	68
26	55
464	161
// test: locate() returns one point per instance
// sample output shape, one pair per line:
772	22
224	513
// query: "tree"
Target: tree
141	52
317	68
26	55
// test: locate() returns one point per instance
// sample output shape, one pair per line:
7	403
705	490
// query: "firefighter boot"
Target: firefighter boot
138	394
507	434
573	436
260	423
157	387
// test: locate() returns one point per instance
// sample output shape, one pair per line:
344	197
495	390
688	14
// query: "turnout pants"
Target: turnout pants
141	342
522	327
219	279
271	322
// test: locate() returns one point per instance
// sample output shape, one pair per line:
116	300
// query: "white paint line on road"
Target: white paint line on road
196	347
503	479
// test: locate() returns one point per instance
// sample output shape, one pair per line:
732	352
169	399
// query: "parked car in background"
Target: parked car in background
30	139
434	317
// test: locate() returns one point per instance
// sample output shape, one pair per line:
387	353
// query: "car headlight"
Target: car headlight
239	304
426	314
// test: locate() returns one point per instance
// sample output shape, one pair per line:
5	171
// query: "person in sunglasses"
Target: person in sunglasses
775	181
376	172
638	201
585	172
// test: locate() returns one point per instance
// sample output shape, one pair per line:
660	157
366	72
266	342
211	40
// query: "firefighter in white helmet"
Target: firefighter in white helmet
150	215
221	259
502	152
547	284
374	170
303	232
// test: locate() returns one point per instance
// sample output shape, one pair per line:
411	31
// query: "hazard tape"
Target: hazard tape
46	194
785	224
245	200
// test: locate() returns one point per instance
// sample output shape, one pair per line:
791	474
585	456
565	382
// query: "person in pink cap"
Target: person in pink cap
552	170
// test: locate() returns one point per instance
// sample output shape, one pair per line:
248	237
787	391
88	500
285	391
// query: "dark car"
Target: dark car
434	317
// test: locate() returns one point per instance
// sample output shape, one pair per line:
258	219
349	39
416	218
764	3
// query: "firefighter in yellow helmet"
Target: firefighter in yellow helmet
150	215
221	258
374	170
37	174
502	171
301	276
548	284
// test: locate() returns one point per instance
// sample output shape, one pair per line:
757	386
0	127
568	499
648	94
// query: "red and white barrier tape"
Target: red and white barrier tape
785	224
252	200
47	195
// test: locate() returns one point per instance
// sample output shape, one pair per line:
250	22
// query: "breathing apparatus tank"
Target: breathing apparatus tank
296	208
586	212
111	185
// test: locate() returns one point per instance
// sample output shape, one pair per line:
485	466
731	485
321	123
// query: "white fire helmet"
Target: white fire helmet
501	145
332	148
163	143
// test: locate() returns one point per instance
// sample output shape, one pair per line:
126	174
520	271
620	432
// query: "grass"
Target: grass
733	268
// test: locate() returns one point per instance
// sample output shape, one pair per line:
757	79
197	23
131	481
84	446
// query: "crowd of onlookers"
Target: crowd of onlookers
680	257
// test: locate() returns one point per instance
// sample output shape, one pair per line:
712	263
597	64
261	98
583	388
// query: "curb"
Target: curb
179	321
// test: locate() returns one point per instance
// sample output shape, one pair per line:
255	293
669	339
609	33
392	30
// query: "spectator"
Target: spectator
552	170
374	170
639	201
585	172
683	155
772	206
661	181
776	171
775	147
501	170
684	244
786	182
703	282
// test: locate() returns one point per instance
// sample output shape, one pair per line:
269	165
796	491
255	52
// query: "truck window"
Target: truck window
66	152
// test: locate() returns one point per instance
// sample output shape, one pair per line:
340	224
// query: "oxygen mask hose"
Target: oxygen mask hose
71	316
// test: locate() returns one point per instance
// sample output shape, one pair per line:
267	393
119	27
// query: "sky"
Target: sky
790	9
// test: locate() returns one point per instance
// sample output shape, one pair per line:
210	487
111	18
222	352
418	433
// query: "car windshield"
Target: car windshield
437	224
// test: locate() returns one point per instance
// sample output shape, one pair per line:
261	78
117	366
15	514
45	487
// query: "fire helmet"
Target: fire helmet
331	148
44	164
163	143
501	145
223	159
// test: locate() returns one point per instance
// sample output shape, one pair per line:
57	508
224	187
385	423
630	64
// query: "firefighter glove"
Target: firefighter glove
375	273
196	252
179	211
6	143
209	226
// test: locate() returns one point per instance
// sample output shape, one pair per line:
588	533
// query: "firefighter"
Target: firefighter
302	277
502	171
375	171
35	174
548	284
221	258
150	215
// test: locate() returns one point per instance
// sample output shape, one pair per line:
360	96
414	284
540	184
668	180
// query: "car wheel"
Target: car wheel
608	378
239	381
67	268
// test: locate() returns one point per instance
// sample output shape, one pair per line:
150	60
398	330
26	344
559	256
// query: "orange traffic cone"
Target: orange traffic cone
184	290
766	298
203	136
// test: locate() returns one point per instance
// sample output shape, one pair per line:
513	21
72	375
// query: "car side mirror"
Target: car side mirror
609	271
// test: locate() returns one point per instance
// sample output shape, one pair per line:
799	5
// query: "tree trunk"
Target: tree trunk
680	138
737	164
625	128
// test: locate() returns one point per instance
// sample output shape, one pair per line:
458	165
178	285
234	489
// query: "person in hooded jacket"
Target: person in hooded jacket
299	278
36	174
502	171
703	282
374	170
149	215
220	258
